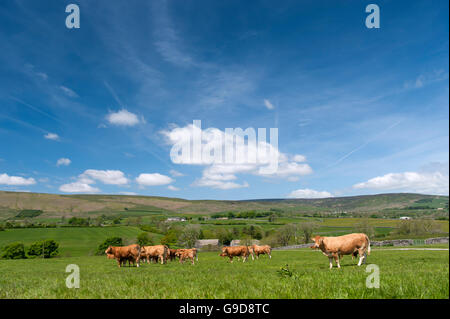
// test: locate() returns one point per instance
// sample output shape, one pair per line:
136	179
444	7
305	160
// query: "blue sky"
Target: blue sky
96	109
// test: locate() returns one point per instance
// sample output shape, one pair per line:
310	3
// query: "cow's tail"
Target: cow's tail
368	245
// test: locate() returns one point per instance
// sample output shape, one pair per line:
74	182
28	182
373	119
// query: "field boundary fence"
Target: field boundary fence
394	242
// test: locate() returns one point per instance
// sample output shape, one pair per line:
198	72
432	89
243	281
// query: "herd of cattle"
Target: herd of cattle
332	247
134	254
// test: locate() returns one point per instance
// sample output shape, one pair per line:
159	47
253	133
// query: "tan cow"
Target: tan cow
157	252
180	250
336	247
261	250
186	254
124	254
235	251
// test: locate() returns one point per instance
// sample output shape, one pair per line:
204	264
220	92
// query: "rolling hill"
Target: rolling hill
55	205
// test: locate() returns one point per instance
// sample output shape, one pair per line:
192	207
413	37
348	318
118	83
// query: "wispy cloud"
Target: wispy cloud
63	162
68	92
52	136
123	118
268	104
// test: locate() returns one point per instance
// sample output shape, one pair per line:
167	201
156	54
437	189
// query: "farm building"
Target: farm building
176	219
206	242
405	218
237	242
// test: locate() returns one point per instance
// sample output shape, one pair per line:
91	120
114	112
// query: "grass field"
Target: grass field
73	241
403	274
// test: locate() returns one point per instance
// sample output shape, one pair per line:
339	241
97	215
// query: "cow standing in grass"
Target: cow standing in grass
186	254
336	247
236	251
261	250
124	254
157	252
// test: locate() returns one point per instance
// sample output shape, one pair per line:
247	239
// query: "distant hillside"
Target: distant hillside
54	205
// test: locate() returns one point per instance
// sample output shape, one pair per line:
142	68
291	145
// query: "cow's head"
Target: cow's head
223	254
109	251
317	242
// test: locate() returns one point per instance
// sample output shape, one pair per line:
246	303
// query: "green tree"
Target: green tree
144	239
14	251
307	228
111	241
48	248
170	238
189	235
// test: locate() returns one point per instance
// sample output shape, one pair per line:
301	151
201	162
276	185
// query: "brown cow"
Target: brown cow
236	251
261	250
186	253
123	254
336	247
157	252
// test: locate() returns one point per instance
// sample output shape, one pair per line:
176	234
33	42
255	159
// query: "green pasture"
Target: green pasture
403	275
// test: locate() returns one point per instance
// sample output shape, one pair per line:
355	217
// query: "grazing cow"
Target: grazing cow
235	251
336	247
185	254
124	254
157	252
261	250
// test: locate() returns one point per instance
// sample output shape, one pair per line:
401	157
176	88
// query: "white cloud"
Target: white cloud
299	158
68	92
220	184
110	177
90	176
5	179
78	187
268	104
154	179
63	161
218	173
309	193
128	193
175	173
52	136
429	182
173	188
123	117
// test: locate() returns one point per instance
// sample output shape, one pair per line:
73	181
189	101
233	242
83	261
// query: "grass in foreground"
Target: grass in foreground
403	274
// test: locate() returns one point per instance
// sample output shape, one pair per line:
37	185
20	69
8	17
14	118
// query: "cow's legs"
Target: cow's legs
362	256
336	259
331	262
231	259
